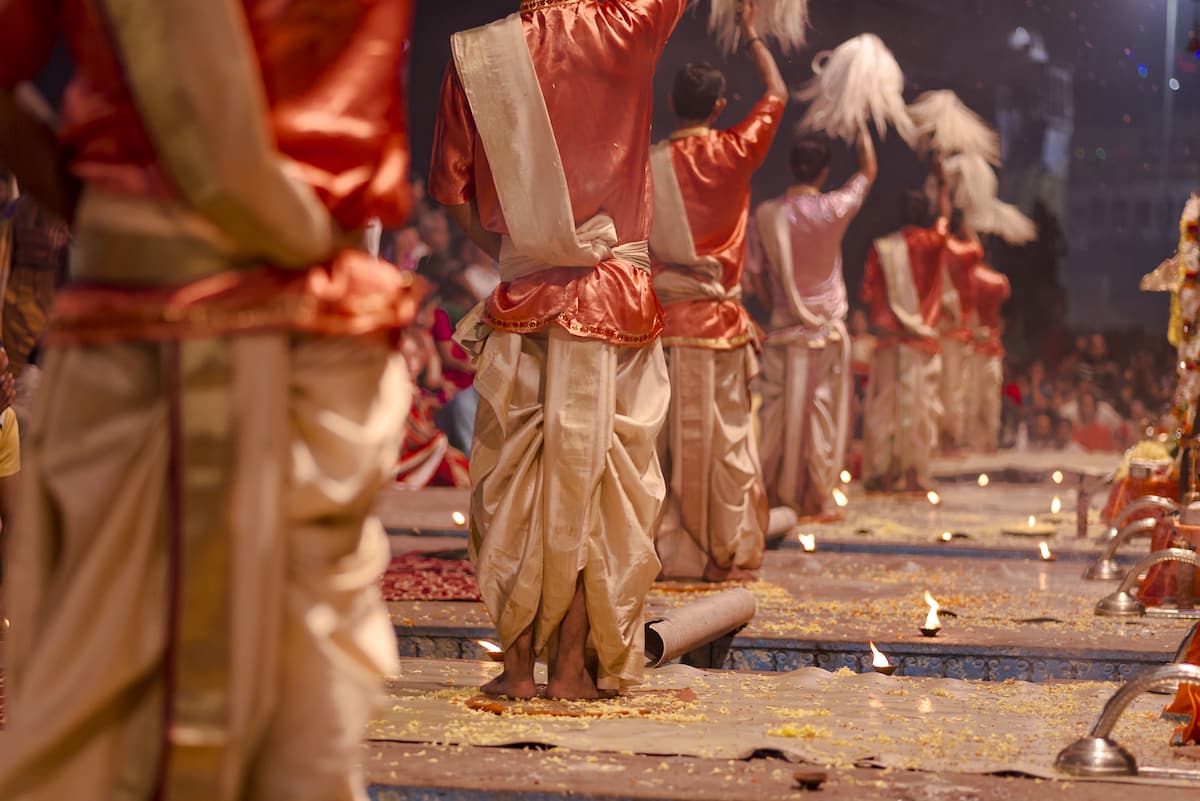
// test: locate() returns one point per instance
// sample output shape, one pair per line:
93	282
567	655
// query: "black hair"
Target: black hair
810	157
915	209
698	87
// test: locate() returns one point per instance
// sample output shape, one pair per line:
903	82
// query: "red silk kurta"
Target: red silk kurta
990	290
332	75
925	247
595	64
961	257
714	169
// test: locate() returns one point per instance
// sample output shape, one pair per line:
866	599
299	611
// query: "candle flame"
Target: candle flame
1045	551
933	497
931	620
947	536
459	518
489	646
1057	477
984	480
808	542
845	476
839	497
878	660
1056	505
1033	521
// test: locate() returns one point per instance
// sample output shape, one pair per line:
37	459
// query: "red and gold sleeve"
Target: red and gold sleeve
752	137
452	168
28	30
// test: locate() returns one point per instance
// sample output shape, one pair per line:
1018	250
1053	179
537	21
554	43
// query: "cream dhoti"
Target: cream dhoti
985	383
953	389
716	510
901	413
241	472
567	486
806	410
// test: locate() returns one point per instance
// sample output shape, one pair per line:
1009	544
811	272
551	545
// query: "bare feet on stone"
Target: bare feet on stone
504	686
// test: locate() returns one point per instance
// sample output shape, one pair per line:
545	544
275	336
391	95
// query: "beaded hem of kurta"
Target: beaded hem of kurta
529	6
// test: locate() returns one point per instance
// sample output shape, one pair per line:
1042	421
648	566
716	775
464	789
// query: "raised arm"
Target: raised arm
763	60
868	162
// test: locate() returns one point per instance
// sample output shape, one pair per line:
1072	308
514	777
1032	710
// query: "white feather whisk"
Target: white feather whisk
974	188
785	21
1007	222
859	82
948	127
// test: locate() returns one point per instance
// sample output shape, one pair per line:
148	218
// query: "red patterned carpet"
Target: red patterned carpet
416	576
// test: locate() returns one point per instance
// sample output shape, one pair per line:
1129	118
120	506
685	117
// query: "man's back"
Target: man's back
817	224
714	169
595	65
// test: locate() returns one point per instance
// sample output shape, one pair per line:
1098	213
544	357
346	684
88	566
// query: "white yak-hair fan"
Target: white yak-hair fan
948	127
973	183
785	21
859	82
1005	221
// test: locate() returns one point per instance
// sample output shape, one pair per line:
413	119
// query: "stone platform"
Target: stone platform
880	737
1002	619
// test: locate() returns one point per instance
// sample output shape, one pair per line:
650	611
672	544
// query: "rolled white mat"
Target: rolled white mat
688	627
782	520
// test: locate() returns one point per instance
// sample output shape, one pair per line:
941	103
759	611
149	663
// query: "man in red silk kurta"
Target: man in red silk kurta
903	292
192	593
715	521
572	382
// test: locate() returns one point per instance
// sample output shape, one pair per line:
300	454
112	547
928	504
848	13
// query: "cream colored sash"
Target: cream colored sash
697	277
951	302
510	113
902	293
776	239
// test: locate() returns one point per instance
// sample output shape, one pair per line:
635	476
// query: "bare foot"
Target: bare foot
505	687
714	573
577	686
516	680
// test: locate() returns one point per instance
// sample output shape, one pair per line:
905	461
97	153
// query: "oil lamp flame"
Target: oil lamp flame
984	480
845	476
459	518
947	536
1057	477
931	620
808	542
489	646
1056	505
933	497
1033	521
839	497
1044	549
878	660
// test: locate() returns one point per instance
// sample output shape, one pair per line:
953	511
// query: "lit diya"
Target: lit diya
494	652
845	476
1032	528
808	542
459	518
840	498
984	480
933	497
1055	515
880	662
932	624
1044	552
1057	477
